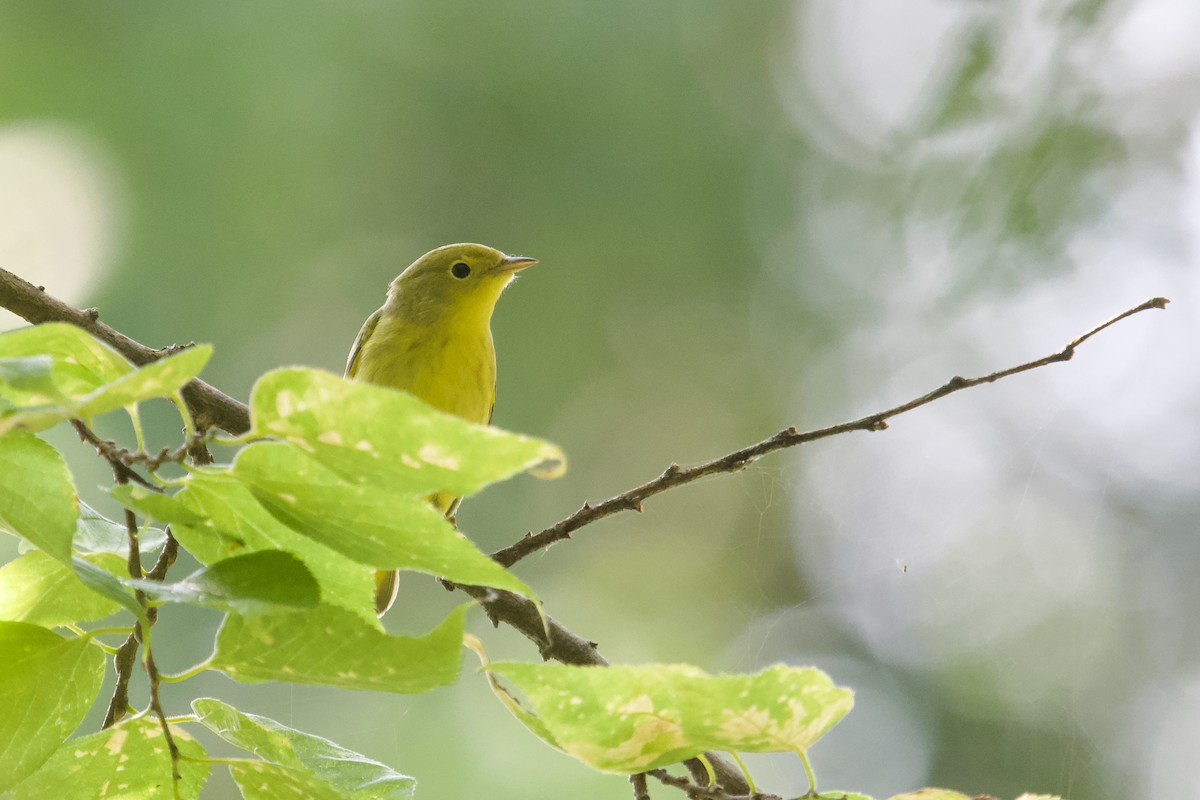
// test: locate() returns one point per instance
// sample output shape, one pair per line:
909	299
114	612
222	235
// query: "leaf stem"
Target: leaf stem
124	630
808	770
191	672
737	759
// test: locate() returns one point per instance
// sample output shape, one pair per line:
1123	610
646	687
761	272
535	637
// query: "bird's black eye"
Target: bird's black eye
460	270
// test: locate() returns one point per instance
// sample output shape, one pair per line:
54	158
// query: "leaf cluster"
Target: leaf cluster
328	487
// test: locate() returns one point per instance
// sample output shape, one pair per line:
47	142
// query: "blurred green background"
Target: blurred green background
749	216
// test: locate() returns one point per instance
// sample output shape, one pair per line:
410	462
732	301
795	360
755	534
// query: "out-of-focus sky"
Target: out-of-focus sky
748	216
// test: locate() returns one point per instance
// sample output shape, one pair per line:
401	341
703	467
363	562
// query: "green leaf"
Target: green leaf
372	434
82	363
108	585
29	380
162	378
255	583
96	533
370	525
128	761
37	589
63	372
78	365
297	764
48	683
841	796
631	719
37	497
332	647
259	780
156	505
234	523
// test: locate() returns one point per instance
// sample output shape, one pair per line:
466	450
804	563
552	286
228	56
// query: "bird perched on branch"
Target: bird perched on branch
433	339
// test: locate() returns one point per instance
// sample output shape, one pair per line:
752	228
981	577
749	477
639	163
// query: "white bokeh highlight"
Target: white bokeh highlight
58	203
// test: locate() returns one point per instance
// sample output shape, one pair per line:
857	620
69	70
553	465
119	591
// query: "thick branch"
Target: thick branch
209	406
675	475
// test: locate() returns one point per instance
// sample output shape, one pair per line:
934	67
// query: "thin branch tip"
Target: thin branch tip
675	475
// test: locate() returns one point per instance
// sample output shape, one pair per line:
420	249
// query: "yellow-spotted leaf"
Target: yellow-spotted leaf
631	719
232	522
372	434
296	764
47	683
162	378
37	496
362	521
333	647
129	760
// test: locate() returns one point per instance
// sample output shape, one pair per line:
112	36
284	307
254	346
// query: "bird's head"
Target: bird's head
457	279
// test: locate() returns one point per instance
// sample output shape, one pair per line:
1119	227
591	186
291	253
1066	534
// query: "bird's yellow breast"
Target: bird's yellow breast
451	367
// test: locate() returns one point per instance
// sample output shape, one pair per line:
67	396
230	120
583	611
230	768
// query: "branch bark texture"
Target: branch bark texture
210	407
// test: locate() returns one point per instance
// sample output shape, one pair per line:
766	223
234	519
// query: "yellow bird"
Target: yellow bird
433	339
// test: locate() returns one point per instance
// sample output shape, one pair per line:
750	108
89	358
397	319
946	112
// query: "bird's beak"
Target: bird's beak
515	263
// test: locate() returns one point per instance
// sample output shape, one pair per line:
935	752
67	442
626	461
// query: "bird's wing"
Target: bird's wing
364	333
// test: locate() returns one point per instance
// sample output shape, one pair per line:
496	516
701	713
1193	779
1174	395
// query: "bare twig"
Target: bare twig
674	475
640	790
123	459
115	455
156	707
124	659
209	406
126	656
